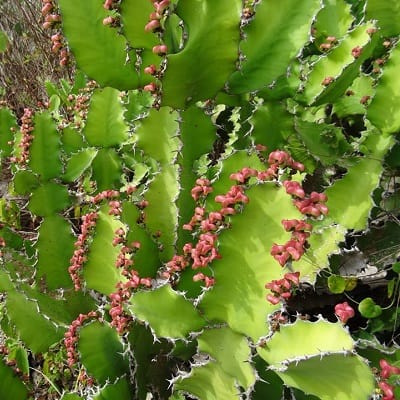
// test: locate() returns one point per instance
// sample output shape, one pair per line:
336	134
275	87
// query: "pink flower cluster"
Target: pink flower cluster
202	189
313	206
78	258
109	4
50	19
27	137
283	160
282	288
105	195
71	336
119	318
387	371
155	17
344	311
228	201
296	246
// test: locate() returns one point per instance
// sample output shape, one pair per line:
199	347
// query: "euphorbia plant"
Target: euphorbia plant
185	194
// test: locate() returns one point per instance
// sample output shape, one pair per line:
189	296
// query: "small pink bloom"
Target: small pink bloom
344	311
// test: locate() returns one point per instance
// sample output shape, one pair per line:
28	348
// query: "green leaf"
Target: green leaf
55	246
369	309
272	124
388	15
349	199
25	182
134	17
101	352
209	382
79	163
340	65
197	134
157	138
147	258
324	348
71	396
72	140
396	267
105	124
383	110
306	339
352	104
20	355
334	19
11	387
45	148
34	329
3	41
333	377
48	199
100	272
8	125
231	351
326	143
336	284
159	308
120	390
272	40
107	169
100	51
204	65
238	296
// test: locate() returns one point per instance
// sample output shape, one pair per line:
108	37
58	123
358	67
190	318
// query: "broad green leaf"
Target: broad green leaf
306	339
324	142
134	17
336	284
272	40
55	246
197	134
48	199
107	169
102	352
238	296
272	123
168	312
147	258
79	163
383	110
157	138
209	382
35	329
351	103
11	387
3	41
231	351
71	396
334	19
349	199
105	124
20	355
324	348
8	125
340	66
44	152
369	309
204	65
121	390
99	50
388	15
72	140
100	272
25	181
332	377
